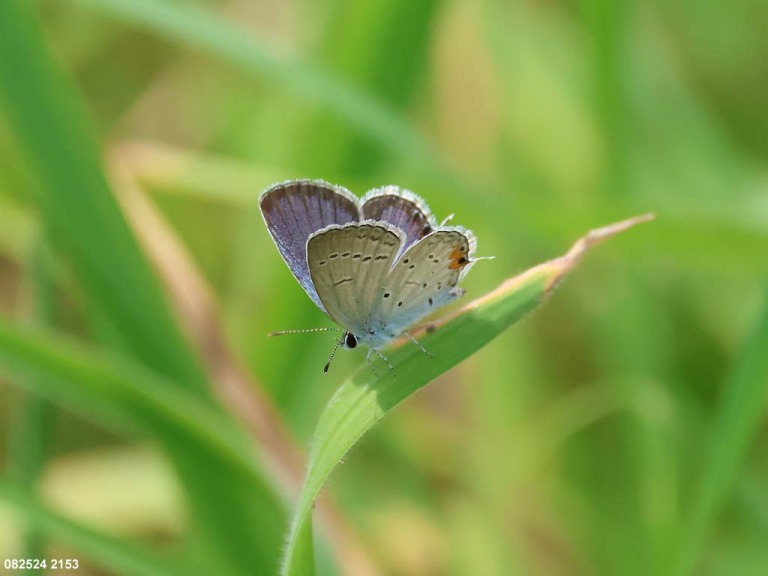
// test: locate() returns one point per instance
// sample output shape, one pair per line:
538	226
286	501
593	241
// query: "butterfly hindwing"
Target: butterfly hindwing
425	276
348	266
401	208
294	210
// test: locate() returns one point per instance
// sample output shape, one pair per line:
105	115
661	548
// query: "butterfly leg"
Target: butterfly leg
386	360
371	363
412	339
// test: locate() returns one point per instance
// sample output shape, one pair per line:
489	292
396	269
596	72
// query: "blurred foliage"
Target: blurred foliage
620	430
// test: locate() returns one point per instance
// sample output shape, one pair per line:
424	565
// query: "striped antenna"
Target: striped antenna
339	342
303	331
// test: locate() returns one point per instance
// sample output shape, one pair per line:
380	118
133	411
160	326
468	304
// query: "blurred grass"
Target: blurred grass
197	28
735	426
621	421
195	435
82	213
119	557
56	140
31	430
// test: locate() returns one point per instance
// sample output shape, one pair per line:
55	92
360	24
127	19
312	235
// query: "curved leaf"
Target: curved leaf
366	397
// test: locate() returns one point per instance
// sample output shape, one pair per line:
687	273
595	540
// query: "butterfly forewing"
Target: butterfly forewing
425	277
402	209
294	210
348	265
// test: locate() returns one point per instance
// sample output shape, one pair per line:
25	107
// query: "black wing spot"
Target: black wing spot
412	266
322	263
430	301
356	256
400	303
462	260
346	254
334	255
424	285
386	294
381	257
439	285
342	281
406	261
367	258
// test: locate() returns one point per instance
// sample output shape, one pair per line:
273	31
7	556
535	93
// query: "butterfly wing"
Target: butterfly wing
425	276
401	208
348	266
296	209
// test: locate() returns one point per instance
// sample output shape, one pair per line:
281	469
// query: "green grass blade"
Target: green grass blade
365	398
236	510
119	557
735	426
48	121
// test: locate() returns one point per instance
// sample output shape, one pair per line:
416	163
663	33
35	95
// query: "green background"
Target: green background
619	430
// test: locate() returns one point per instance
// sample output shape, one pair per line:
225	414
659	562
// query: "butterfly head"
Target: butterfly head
350	340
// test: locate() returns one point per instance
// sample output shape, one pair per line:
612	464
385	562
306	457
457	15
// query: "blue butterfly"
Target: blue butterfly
376	265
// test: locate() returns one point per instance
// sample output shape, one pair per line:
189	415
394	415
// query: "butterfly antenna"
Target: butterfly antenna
302	331
339	342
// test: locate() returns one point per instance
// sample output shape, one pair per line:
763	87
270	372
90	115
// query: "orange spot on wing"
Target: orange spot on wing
458	259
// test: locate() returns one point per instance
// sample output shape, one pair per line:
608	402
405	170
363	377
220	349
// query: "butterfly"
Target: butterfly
376	266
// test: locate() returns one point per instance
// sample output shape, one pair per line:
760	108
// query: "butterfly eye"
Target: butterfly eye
350	340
